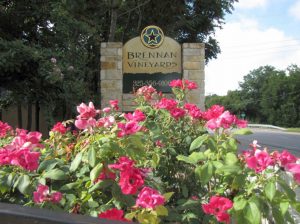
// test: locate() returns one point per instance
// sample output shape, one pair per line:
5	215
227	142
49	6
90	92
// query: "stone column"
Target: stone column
111	75
193	69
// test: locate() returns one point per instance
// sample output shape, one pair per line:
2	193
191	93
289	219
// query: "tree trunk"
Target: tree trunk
113	25
37	116
29	116
20	120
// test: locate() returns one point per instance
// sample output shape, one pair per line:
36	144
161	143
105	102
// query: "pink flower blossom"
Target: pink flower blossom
149	198
84	124
190	85
213	112
177	113
159	143
4	129
124	163
114	104
131	180
218	206
294	168
176	84
225	120
59	127
113	214
285	158
86	112
42	194
136	116
146	91
128	128
240	123
260	161
193	111
106	122
106	110
167	104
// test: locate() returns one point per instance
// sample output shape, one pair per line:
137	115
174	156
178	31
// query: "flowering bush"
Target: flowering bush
166	162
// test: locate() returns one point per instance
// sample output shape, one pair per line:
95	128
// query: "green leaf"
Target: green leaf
287	189
277	215
168	195
92	157
101	185
188	204
252	213
24	184
55	174
161	210
239	204
270	190
76	162
47	165
204	173
243	131
198	142
284	205
69	186
94	174
231	159
194	158
229	169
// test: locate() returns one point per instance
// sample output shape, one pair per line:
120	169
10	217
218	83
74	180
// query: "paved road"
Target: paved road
273	140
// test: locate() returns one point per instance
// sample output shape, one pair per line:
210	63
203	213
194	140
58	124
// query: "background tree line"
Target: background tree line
49	50
266	95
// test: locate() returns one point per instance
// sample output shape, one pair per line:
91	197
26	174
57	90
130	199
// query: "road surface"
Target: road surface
273	140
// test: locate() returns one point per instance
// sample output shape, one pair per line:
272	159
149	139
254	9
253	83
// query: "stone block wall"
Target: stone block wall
193	62
111	72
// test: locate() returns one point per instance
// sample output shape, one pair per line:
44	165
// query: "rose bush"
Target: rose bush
166	162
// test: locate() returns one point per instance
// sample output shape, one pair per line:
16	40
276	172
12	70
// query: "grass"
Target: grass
293	130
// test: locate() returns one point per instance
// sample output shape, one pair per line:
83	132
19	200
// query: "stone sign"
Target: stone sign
151	59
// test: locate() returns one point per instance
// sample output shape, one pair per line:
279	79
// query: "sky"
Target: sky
257	33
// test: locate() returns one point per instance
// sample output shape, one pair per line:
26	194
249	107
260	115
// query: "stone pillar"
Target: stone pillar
111	73
193	69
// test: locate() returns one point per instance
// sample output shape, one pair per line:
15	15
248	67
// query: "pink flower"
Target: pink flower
193	111
241	123
4	129
42	194
146	91
106	110
56	197
106	174
225	120
59	127
285	158
159	143
218	207
177	113
167	104
136	116
260	161
106	122
190	85
113	214
131	180
124	163
176	84
294	168
114	104
213	112
149	198
85	111
128	128
84	124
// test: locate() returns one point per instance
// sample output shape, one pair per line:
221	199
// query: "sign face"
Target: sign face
151	58
159	81
152	52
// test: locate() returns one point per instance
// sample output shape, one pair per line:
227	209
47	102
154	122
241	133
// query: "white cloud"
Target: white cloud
249	4
246	47
295	10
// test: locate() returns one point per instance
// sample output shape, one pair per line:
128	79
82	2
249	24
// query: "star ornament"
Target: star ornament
152	36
